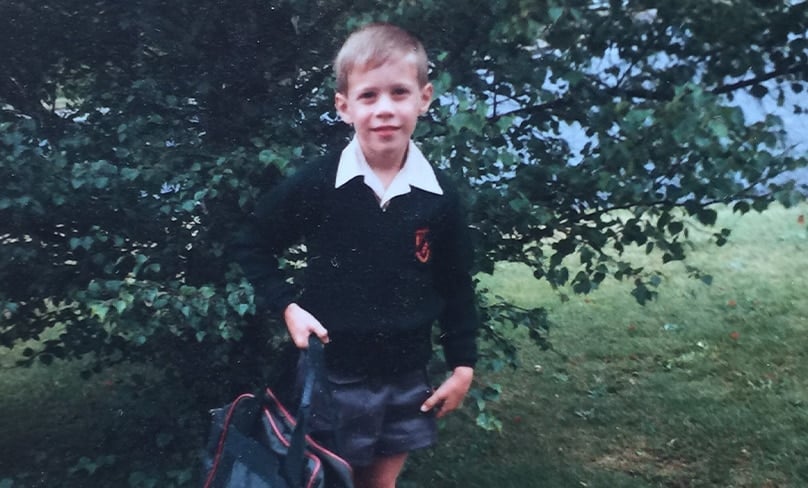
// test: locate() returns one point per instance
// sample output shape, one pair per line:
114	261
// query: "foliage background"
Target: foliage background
135	137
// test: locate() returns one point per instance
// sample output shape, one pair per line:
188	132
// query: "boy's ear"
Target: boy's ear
426	97
341	104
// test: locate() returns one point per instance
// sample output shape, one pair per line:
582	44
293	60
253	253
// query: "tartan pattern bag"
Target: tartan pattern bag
256	443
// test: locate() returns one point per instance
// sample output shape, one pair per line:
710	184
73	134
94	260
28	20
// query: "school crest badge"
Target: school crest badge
422	250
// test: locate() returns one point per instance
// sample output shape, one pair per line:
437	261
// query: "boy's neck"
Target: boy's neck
386	168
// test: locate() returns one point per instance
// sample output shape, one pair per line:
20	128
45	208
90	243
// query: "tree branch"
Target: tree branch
534	109
661	95
760	79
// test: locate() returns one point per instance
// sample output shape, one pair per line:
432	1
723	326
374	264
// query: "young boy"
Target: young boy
387	256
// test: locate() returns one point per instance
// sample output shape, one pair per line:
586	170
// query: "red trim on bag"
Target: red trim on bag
220	446
328	453
315	444
281	407
318	466
280	436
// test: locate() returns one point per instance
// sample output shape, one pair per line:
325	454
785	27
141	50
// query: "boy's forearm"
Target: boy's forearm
277	222
459	320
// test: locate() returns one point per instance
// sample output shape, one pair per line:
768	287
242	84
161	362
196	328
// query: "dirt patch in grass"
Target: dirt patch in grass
641	460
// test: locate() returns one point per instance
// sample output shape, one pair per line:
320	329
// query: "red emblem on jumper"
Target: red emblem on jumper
422	250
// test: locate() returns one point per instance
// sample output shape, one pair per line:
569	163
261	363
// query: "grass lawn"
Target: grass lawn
706	386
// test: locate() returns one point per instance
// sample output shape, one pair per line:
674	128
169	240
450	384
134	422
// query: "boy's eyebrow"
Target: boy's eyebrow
359	88
395	84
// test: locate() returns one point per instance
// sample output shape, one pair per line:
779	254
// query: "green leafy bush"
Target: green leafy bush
135	137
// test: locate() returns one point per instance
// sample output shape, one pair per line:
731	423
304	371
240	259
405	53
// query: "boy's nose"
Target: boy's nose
384	106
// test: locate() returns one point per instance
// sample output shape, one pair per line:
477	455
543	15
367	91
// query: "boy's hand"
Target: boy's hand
301	324
450	394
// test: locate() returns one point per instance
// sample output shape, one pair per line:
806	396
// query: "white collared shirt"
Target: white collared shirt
416	172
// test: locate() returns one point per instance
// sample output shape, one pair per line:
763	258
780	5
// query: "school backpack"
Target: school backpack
256	443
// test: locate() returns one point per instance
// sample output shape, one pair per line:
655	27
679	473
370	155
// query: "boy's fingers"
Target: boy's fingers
447	406
430	402
302	340
321	333
444	399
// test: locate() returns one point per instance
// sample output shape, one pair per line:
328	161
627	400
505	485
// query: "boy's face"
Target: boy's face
383	104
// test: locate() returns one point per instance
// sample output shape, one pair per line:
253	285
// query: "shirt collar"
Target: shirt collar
416	172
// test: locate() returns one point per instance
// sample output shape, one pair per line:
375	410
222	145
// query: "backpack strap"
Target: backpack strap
314	362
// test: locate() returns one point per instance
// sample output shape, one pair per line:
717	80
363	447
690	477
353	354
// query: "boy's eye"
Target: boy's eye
365	95
400	91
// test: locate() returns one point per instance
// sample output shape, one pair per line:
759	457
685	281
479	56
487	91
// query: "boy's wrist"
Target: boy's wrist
289	309
463	371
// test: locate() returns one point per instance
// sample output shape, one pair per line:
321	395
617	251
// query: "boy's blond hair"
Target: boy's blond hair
373	45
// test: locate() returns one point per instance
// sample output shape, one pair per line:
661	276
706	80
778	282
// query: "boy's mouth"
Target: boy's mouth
385	130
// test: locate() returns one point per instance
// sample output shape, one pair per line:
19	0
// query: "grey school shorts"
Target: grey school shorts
365	417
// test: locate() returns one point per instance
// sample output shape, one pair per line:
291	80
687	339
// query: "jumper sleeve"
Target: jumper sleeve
459	321
280	220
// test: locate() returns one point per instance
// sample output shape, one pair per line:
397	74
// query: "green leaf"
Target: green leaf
718	127
120	306
130	174
641	293
759	204
759	91
266	156
741	207
489	422
101	182
99	310
707	216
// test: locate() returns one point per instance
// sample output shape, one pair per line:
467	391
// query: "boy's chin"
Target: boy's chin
393	143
